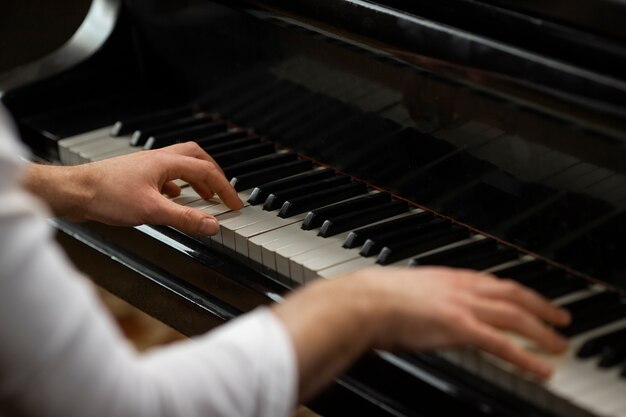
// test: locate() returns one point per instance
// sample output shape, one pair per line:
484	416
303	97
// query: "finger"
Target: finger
204	177
490	340
506	316
524	297
170	189
186	219
192	149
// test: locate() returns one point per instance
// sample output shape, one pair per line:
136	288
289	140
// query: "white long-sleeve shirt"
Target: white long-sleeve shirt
61	355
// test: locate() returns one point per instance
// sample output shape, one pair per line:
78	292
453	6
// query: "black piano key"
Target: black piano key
140	136
458	253
420	244
555	288
260	163
373	245
526	270
231	144
256	178
306	203
591	321
550	282
592	303
220	138
613	354
358	237
592	312
128	126
277	199
243	154
340	224
595	345
316	218
260	194
489	259
185	134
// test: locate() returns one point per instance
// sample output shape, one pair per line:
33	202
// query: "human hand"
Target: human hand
128	190
332	322
430	308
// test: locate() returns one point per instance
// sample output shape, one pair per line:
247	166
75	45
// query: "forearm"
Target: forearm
66	190
331	324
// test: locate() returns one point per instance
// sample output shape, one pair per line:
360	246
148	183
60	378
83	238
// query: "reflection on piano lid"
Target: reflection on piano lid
348	156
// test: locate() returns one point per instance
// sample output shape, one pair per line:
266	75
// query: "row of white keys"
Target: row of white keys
105	145
300	254
583	383
94	146
247	232
233	221
66	146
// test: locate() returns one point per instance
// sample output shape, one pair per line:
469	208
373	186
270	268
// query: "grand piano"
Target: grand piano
485	134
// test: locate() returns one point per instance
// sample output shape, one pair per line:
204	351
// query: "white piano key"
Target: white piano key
187	195
347	267
100	144
329	253
284	236
327	257
106	147
295	247
244	235
608	397
65	145
113	154
255	244
232	221
220	208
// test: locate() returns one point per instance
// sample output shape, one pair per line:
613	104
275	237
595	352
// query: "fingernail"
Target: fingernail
209	226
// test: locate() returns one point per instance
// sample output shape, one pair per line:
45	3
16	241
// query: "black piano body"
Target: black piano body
505	121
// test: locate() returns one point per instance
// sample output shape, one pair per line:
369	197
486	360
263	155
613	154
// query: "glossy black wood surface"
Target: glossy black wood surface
518	139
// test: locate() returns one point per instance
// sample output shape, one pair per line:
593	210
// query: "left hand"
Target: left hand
129	190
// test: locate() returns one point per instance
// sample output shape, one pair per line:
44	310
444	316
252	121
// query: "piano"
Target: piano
485	134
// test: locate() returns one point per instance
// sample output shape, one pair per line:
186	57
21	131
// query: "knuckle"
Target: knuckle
192	147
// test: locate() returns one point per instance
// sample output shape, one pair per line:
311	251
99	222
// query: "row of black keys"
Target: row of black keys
285	182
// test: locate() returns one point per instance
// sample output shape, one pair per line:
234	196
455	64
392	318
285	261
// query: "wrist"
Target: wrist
373	309
66	189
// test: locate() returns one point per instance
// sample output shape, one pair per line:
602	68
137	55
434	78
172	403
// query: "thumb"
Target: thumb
186	219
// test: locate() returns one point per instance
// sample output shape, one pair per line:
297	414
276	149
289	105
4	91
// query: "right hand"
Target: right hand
331	322
430	308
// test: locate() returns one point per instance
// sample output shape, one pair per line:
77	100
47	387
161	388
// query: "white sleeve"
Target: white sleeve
61	355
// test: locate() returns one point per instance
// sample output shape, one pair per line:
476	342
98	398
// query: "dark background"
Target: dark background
30	29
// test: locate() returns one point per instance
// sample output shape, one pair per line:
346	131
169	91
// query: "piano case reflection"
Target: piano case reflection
483	135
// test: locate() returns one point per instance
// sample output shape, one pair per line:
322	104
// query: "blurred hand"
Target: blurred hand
333	321
429	308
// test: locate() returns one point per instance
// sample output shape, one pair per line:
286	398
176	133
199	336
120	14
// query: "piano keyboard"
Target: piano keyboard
301	222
